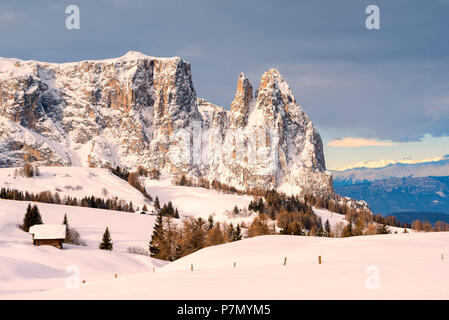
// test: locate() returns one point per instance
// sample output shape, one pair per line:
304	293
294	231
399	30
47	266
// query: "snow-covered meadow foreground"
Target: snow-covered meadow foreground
395	266
402	266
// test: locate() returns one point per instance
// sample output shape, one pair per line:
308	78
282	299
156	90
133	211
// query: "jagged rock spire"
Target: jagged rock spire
241	104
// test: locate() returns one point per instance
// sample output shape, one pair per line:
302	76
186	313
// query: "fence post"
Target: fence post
285	261
115	275
234	264
319	259
191	267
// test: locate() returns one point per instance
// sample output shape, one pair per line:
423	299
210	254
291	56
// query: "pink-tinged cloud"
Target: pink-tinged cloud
351	142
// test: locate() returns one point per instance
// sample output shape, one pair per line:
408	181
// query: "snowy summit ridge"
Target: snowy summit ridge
142	110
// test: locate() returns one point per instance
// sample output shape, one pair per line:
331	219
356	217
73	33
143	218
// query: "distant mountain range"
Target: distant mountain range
408	190
394	170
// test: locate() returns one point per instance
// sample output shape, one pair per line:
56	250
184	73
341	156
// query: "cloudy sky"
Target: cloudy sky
372	94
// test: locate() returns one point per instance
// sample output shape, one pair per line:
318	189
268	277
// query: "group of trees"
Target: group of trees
294	216
27	171
55	198
183	180
31	218
428	227
167	210
133	178
171	241
152	173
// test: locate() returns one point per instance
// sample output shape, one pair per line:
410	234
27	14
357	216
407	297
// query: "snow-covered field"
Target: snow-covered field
197	202
24	267
75	182
83	181
396	266
399	266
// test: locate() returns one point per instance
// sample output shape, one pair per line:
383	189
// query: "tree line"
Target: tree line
170	241
54	198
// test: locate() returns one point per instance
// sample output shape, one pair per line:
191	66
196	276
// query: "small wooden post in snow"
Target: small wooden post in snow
319	259
191	267
285	261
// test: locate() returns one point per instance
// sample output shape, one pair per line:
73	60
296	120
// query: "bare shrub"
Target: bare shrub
72	236
138	250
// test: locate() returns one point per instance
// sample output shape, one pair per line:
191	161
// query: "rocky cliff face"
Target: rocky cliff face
140	110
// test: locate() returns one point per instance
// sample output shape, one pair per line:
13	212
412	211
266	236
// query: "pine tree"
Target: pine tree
144	208
157	205
236	210
237	233
106	244
229	232
327	228
157	237
348	230
32	217
210	223
66	221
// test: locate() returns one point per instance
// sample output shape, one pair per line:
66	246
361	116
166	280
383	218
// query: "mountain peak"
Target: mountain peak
242	100
141	110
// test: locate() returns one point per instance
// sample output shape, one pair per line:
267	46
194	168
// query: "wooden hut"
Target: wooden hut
48	234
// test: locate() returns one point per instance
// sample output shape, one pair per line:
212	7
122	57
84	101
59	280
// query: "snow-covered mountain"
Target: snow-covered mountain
141	110
383	163
398	187
437	167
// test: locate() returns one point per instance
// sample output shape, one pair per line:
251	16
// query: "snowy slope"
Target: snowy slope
75	182
82	181
408	266
336	219
197	202
24	267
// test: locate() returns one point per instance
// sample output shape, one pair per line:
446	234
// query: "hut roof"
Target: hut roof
48	231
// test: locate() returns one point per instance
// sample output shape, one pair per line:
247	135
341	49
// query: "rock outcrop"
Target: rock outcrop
140	110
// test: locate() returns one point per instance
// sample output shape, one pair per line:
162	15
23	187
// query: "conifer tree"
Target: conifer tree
65	221
144	208
210	223
106	243
327	228
237	233
348	230
157	205
157	238
32	217
230	233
